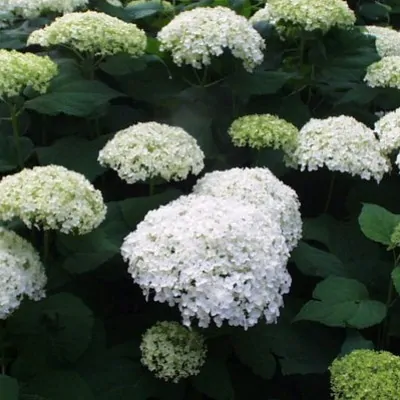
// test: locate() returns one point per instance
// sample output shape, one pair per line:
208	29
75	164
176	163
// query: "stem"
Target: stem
46	245
330	191
16	134
151	187
302	48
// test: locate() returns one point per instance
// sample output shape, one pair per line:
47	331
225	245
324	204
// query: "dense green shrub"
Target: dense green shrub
199	199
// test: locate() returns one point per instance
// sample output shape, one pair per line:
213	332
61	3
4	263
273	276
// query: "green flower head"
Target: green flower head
172	351
366	375
266	130
21	70
395	238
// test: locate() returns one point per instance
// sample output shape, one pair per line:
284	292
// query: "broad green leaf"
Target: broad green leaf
259	82
253	348
9	389
342	302
214	380
59	326
359	94
58	385
144	10
84	158
396	279
8	152
354	340
315	262
375	11
377	223
79	98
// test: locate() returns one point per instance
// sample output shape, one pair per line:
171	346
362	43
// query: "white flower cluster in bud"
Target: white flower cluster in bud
340	144
21	70
217	259
52	198
194	37
172	351
261	188
387	40
22	275
92	32
150	149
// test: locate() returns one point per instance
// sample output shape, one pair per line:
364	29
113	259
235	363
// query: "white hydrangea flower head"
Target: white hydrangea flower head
340	144
388	130
261	188
21	70
311	15
149	149
194	37
384	73
52	198
217	259
167	6
172	351
22	275
387	40
92	32
33	8
263	130
262	14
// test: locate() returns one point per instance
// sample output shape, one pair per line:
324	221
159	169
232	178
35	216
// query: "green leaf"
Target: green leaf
147	9
60	326
8	153
396	279
377	223
354	340
85	155
253	348
9	389
58	385
79	98
315	262
259	82
342	302
375	11
214	380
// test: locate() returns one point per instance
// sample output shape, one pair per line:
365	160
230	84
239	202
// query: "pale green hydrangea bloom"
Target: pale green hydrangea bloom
21	272
149	150
194	37
384	73
33	8
340	144
263	14
52	197
265	130
172	351
387	40
21	70
168	8
388	131
395	237
366	374
92	32
311	15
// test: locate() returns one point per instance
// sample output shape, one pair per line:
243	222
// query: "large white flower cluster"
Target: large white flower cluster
387	40
21	272
52	197
217	259
21	70
261	188
33	8
148	150
340	144
194	37
311	15
263	14
172	351
384	73
388	130
92	32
